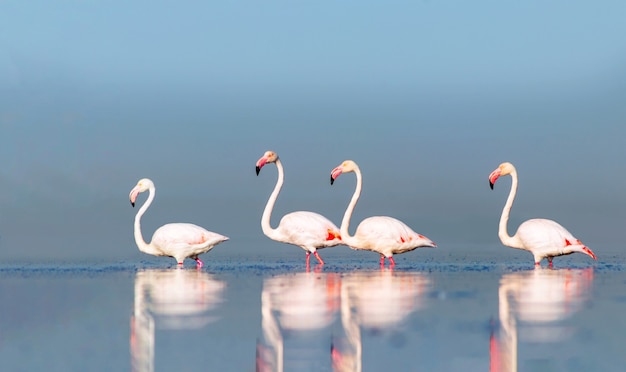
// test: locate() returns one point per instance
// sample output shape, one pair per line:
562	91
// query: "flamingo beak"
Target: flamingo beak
133	195
334	174
588	252
260	164
493	177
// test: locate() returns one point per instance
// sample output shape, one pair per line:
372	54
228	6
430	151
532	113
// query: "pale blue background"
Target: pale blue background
427	96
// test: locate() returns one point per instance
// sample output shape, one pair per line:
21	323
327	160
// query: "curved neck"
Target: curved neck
267	212
345	223
141	244
504	218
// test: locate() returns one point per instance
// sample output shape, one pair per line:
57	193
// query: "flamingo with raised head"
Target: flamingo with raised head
307	230
178	240
541	237
382	234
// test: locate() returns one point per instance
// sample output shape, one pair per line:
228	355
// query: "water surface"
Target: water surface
250	314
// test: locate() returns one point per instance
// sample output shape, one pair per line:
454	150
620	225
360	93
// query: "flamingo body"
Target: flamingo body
307	230
543	238
388	236
177	240
381	234
182	240
548	238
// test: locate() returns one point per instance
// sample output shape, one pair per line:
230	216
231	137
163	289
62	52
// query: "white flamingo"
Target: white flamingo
178	240
382	234
307	230
543	238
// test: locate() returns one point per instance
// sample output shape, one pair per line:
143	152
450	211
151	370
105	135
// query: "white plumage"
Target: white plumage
543	238
178	240
385	235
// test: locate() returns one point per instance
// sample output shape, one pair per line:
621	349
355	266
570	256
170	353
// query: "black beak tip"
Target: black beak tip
332	180
258	169
132	204
491	185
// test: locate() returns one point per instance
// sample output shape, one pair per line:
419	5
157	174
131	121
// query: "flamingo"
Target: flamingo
382	234
178	240
543	238
307	230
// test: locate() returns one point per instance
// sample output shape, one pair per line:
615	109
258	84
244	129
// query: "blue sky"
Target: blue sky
428	97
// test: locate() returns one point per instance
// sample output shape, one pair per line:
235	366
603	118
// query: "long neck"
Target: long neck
267	212
504	218
345	223
141	244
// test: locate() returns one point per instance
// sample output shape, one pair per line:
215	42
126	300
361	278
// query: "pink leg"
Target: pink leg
318	258
200	263
382	261
537	264
308	258
392	263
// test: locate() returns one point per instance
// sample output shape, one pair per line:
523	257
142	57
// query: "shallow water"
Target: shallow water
270	314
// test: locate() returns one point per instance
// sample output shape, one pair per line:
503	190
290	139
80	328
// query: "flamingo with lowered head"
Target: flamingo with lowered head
382	234
178	240
541	237
308	230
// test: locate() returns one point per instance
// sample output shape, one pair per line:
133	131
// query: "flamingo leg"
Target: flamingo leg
550	262
200	263
537	264
382	261
318	258
392	263
308	257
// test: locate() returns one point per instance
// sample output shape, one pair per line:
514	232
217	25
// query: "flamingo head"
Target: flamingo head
578	247
345	167
502	170
268	157
143	185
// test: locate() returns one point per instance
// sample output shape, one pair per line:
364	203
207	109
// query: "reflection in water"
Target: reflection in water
173	299
302	302
539	300
374	300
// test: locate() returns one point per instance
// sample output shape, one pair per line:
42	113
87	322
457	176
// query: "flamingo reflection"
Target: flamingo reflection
539	301
173	299
374	301
301	304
